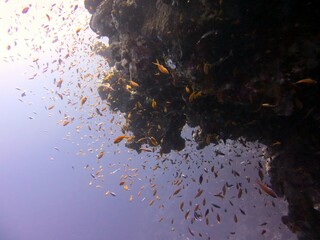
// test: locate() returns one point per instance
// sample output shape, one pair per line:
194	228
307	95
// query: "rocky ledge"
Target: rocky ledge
234	69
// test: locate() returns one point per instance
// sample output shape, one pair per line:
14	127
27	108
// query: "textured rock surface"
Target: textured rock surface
233	70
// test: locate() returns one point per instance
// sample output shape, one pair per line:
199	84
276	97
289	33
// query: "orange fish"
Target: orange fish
153	104
161	68
50	107
151	202
153	141
266	189
83	100
100	155
119	139
59	83
25	10
65	122
307	81
134	84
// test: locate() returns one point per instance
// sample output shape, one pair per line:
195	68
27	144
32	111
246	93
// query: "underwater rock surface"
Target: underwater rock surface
235	69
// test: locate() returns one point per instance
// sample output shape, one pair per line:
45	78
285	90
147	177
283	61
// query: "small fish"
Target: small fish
266	189
153	141
115	171
151	202
307	81
276	143
59	83
243	212
200	191
181	206
219	195
206	35
113	194
145	149
268	105
153	104
119	139
218	152
83	100
240	193
190	231
78	30
196	208
99	171
100	155
98	112
161	68
261	174
65	123
194	95
25	10
218	218
197	216
176	192
186	215
235	218
134	84
204	202
207	212
201	179
125	187
215	205
131	198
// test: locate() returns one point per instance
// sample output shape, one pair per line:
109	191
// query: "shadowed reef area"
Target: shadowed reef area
235	69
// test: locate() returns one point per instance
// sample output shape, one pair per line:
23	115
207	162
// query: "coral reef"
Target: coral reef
235	69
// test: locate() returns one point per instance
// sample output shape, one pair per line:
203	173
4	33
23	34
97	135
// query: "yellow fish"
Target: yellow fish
161	68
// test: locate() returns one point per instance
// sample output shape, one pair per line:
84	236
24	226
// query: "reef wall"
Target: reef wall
235	69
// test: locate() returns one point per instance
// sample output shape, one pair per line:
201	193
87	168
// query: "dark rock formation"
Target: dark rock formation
234	70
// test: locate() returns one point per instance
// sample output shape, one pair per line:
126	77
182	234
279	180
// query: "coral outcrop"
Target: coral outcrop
235	69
